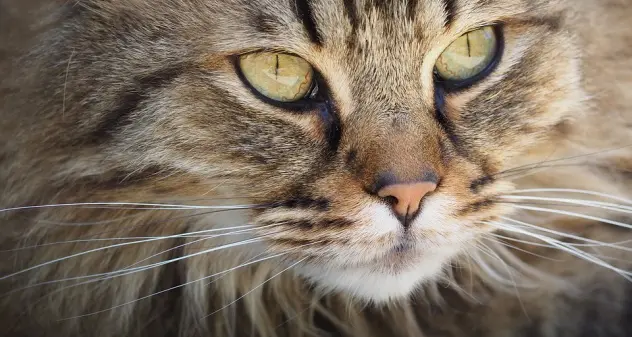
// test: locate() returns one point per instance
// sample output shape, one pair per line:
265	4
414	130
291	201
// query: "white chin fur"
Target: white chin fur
372	285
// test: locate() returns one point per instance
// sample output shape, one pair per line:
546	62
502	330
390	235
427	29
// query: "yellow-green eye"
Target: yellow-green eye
468	56
281	77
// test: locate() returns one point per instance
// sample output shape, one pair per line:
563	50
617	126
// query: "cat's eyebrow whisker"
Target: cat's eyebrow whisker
132	206
257	287
185	235
571	190
120	245
563	247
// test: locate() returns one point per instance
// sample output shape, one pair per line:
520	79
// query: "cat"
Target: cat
315	168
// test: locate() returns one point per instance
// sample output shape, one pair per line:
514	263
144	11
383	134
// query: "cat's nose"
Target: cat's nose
407	196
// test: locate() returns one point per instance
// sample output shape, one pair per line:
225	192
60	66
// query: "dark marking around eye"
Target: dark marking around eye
450	11
332	125
446	123
130	98
306	16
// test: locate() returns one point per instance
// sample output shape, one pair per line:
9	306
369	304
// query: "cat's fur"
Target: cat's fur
138	100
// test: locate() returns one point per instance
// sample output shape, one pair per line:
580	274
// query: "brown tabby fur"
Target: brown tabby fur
138	100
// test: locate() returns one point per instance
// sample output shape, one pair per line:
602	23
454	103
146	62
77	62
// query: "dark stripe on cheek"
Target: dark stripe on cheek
306	16
446	123
450	11
476	207
320	204
130	99
478	184
333	126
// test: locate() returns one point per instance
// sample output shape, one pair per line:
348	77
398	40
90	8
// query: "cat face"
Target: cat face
375	172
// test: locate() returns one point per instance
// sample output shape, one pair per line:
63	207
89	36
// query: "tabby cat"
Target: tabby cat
315	168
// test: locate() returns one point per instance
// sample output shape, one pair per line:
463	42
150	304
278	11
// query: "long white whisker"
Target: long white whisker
257	287
123	239
489	270
578	215
597	204
564	247
571	190
537	164
142	205
513	280
520	249
179	286
127	271
568	235
115	246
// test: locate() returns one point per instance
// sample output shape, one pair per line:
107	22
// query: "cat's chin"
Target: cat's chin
380	283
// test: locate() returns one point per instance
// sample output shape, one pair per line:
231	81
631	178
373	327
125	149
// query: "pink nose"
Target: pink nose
408	196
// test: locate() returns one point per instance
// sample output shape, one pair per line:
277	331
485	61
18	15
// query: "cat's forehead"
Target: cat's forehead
343	24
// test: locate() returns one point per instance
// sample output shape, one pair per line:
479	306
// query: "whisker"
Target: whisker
172	218
520	249
574	214
124	272
177	287
187	283
257	287
115	246
121	239
528	171
568	235
571	190
564	247
523	167
131	205
598	204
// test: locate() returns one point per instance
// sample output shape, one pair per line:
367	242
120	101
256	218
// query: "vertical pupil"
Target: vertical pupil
467	38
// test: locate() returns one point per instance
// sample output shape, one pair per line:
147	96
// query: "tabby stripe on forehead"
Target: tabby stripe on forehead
352	14
411	9
450	11
130	98
306	16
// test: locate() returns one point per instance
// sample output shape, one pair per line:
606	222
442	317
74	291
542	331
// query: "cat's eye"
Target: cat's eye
468	57
281	77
